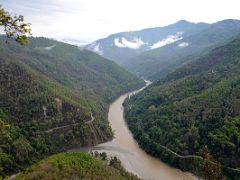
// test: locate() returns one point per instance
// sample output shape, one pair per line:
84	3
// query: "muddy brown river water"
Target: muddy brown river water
133	158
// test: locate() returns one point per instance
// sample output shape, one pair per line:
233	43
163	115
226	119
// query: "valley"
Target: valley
133	158
82	109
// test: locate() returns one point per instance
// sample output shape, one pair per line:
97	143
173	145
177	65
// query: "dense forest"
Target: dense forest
77	166
194	108
76	68
54	96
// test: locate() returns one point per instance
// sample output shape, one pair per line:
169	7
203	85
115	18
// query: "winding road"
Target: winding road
65	126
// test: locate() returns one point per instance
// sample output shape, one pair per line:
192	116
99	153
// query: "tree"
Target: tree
211	168
4	134
116	163
103	156
22	149
5	163
15	27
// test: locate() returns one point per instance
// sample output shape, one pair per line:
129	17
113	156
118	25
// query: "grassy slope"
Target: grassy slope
74	166
194	106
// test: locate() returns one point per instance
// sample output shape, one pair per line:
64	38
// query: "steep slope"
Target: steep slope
194	106
121	47
156	63
75	166
78	69
54	96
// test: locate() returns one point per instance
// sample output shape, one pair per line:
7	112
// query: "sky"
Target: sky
84	21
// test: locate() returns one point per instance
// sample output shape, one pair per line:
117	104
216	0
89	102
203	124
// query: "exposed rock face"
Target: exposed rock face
59	104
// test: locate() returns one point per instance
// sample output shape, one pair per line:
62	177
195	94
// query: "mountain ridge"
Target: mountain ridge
157	63
121	46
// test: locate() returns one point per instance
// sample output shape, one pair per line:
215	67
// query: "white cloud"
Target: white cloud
118	43
183	44
89	20
97	48
168	40
124	43
48	48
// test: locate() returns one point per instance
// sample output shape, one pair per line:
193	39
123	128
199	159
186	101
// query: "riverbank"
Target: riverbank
133	158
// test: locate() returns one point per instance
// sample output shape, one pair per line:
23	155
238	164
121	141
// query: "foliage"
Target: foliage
73	166
15	26
211	168
4	134
68	65
115	162
21	149
194	106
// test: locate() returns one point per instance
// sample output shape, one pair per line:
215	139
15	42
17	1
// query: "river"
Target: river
133	158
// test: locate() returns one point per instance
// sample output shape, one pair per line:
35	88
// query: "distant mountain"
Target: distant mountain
195	106
73	41
54	96
156	63
121	47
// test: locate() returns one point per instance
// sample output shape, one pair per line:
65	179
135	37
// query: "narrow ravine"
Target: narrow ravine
133	158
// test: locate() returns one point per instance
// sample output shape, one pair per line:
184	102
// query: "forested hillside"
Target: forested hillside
54	96
75	68
193	107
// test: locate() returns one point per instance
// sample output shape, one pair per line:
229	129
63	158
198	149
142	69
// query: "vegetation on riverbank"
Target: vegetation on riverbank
195	106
